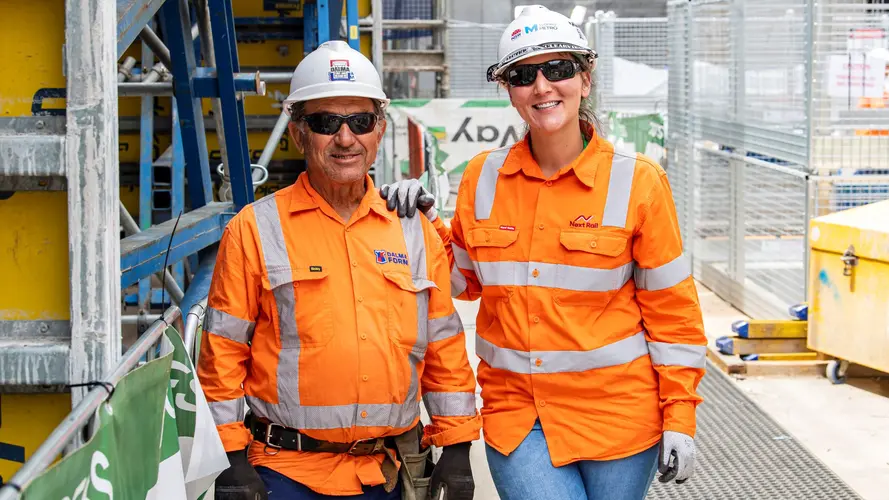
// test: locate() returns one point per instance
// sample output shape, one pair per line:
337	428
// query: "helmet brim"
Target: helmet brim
308	94
495	71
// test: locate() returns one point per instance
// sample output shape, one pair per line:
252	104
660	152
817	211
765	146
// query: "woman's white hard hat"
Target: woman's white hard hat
538	30
335	70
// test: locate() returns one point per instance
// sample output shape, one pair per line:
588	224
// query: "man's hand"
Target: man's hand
681	448
240	481
406	196
454	473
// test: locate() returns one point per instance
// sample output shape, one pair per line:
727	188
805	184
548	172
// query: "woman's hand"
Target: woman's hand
681	449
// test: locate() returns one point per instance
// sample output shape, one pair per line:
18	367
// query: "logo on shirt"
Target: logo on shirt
387	257
507	228
584	222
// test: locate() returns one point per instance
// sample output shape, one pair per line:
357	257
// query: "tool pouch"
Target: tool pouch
416	466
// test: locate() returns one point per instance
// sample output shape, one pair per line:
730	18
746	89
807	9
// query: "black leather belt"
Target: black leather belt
279	437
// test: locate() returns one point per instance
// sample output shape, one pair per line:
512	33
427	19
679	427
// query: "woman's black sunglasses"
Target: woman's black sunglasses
330	123
554	71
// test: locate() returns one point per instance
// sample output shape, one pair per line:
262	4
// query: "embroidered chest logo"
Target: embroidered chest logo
584	222
387	257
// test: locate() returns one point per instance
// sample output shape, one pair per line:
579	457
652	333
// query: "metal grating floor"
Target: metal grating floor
744	454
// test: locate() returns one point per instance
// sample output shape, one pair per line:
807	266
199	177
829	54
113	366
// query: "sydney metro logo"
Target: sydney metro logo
585	222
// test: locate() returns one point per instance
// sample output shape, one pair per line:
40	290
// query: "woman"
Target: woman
589	331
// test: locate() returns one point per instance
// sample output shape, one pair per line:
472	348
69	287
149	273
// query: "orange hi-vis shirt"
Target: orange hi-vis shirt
589	316
334	328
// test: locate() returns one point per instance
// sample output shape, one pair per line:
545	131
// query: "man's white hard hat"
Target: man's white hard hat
334	70
538	30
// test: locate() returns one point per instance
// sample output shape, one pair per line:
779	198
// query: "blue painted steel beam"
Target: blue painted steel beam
352	24
132	16
310	28
142	255
191	118
200	284
232	109
323	15
177	201
205	84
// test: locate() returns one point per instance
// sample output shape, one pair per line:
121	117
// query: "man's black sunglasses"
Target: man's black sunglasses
330	123
554	71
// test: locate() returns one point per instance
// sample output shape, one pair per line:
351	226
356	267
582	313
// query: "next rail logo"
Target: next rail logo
387	257
584	222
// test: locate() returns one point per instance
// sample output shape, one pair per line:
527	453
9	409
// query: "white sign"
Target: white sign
855	76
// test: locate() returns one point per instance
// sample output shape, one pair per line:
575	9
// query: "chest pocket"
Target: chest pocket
491	245
304	306
602	271
407	303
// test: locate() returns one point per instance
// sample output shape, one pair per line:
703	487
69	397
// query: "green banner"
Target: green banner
155	439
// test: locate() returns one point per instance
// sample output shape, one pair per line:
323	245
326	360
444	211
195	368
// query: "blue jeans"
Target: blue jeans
281	487
528	472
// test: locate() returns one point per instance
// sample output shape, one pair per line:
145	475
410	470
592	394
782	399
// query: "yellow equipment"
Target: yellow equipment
849	288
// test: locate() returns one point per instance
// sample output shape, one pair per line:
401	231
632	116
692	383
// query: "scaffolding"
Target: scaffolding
777	114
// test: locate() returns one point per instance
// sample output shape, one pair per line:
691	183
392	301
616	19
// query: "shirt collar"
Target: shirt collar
584	166
304	197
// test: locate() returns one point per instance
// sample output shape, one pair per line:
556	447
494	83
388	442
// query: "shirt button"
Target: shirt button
542	403
364	378
536	319
348	229
360	299
538	361
593	244
536	273
540	227
354	263
363	336
364	414
549	183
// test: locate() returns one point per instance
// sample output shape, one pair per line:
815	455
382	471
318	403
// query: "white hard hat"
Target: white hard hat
333	70
538	30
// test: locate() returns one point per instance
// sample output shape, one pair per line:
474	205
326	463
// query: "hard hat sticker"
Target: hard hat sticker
339	70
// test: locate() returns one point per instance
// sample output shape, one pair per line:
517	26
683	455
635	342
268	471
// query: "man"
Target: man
332	317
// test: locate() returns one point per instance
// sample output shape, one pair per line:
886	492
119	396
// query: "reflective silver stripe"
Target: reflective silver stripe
461	257
614	354
271	237
228	326
342	416
458	282
659	278
690	355
450	404
445	328
487	182
620	184
582	279
227	412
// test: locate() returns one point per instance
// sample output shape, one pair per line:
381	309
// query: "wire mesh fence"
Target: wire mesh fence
632	72
472	48
777	114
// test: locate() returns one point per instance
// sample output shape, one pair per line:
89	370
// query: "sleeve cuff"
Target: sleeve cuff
680	417
234	436
469	430
444	232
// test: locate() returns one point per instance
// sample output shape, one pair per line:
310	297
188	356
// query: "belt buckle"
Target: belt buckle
364	446
268	435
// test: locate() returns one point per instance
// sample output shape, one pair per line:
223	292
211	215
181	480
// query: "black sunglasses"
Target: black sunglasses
554	71
330	123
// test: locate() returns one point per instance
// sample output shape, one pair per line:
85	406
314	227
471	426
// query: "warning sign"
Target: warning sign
856	75
340	71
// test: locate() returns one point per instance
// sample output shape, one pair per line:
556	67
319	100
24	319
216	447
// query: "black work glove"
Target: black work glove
406	196
454	473
240	481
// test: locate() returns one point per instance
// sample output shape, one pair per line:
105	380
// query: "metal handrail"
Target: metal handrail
80	416
193	319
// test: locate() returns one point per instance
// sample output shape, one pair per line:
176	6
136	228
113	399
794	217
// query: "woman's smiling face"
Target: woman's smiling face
550	106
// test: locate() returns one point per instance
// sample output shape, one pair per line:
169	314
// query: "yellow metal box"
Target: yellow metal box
849	285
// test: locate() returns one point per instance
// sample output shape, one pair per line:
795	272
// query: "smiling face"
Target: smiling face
547	106
344	157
